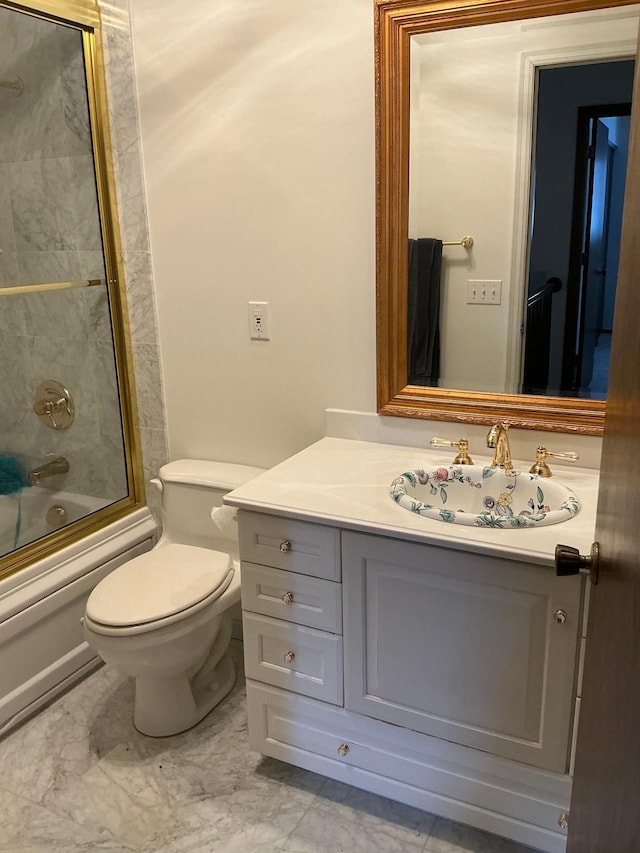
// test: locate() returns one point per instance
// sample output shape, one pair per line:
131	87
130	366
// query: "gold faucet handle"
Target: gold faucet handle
462	444
540	467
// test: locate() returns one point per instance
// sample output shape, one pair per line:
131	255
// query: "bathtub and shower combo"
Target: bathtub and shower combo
68	425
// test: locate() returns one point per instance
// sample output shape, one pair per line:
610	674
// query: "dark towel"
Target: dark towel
423	311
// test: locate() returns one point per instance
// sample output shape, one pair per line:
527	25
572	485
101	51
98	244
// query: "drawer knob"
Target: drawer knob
288	598
289	657
560	616
343	749
285	546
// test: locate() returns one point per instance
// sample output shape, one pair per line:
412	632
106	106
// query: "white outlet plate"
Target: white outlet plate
259	326
484	292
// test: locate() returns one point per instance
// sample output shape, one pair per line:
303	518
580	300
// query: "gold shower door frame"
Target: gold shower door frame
84	15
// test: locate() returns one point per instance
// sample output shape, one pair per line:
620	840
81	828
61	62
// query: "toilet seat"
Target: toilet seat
159	586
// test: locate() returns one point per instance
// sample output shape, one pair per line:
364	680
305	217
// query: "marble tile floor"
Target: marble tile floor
78	777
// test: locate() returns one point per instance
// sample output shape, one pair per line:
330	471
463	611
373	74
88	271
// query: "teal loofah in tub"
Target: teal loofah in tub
12	482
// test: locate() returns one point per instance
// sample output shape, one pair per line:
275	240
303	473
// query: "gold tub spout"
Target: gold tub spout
498	438
57	465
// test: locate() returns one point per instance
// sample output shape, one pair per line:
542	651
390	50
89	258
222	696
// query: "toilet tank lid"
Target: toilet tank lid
201	472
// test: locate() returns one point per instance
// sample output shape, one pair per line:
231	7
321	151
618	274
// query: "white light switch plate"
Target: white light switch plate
259	327
484	292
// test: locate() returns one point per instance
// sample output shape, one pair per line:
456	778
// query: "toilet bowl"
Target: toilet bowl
164	617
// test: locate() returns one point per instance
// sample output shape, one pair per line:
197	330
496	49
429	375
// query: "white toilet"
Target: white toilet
164	616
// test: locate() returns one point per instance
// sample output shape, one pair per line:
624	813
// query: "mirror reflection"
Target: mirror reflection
61	442
518	139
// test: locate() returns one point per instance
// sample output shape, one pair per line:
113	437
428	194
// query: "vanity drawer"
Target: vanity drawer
295	546
295	598
427	773
296	658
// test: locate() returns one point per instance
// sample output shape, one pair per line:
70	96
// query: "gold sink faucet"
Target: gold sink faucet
540	467
462	445
498	438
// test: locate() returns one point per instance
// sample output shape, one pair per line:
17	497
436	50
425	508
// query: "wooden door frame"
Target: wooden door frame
583	188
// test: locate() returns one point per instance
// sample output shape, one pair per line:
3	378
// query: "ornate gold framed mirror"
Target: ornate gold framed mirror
491	182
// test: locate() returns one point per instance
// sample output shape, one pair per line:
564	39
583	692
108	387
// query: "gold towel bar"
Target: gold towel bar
467	242
55	285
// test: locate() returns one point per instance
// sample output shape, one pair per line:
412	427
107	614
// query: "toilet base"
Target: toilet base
169	706
172	704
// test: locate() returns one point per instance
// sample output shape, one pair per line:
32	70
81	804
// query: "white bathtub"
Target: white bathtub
42	649
33	504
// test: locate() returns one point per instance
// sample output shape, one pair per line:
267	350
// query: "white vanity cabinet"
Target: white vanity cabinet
436	664
458	684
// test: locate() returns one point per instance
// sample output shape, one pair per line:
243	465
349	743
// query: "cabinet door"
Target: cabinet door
461	646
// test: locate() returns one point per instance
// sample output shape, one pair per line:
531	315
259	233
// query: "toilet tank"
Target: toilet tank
190	490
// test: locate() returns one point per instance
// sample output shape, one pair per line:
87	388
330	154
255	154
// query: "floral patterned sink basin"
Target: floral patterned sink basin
484	497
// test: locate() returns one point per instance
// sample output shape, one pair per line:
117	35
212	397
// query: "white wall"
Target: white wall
257	127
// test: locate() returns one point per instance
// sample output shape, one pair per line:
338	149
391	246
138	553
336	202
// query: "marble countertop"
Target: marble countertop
346	483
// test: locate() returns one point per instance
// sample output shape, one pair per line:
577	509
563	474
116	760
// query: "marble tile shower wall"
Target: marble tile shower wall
49	219
136	254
